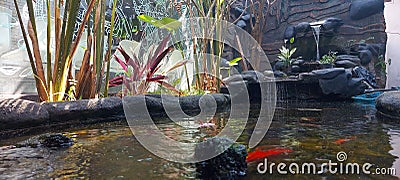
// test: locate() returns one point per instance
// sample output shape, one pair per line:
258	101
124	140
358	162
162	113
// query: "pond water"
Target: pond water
315	133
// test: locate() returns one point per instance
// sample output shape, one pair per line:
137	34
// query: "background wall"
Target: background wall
392	49
15	30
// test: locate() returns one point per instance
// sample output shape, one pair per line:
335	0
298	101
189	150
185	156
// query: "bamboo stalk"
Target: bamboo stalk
110	43
49	78
41	93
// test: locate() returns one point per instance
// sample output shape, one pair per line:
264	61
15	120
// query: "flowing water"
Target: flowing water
315	132
316	32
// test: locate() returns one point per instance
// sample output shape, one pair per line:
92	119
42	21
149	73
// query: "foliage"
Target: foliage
328	58
382	64
139	74
166	22
286	54
235	61
87	83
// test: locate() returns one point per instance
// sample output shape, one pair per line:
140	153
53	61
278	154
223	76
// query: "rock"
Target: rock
55	140
248	76
360	9
19	113
366	57
296	69
47	140
332	24
241	24
269	73
342	85
191	105
328	73
236	11
279	66
279	74
290	32
388	104
302	27
352	58
298	62
231	164
252	76
82	109
345	64
246	17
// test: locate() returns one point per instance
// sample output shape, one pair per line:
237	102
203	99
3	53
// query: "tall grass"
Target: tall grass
60	78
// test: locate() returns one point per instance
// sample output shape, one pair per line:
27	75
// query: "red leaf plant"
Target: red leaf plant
138	76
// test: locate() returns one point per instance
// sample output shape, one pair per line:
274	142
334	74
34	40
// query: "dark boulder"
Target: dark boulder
335	82
303	27
231	164
360	9
290	32
248	76
296	69
345	64
298	62
55	140
280	66
342	85
352	58
388	104
241	24
365	57
328	73
279	74
47	140
332	24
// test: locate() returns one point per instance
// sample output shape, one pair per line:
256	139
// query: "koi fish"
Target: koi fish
341	141
206	125
260	154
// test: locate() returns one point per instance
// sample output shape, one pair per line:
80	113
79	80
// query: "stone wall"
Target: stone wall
292	12
359	26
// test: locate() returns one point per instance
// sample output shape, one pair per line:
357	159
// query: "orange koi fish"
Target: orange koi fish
260	154
341	141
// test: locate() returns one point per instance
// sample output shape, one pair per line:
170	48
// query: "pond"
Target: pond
315	133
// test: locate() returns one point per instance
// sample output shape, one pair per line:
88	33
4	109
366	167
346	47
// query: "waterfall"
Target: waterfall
316	33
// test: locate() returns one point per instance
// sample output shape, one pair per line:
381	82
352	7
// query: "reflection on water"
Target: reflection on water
316	132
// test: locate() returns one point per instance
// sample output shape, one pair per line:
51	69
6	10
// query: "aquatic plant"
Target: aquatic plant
139	73
328	58
286	54
60	82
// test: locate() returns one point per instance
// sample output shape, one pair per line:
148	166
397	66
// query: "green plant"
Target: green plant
328	58
87	83
382	64
286	54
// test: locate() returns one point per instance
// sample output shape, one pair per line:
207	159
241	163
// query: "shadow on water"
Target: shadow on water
315	132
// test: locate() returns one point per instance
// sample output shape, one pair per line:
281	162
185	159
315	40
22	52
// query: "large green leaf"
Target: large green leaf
167	23
233	62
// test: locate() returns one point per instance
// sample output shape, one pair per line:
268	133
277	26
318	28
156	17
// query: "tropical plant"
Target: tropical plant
140	73
382	64
60	83
286	54
328	58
